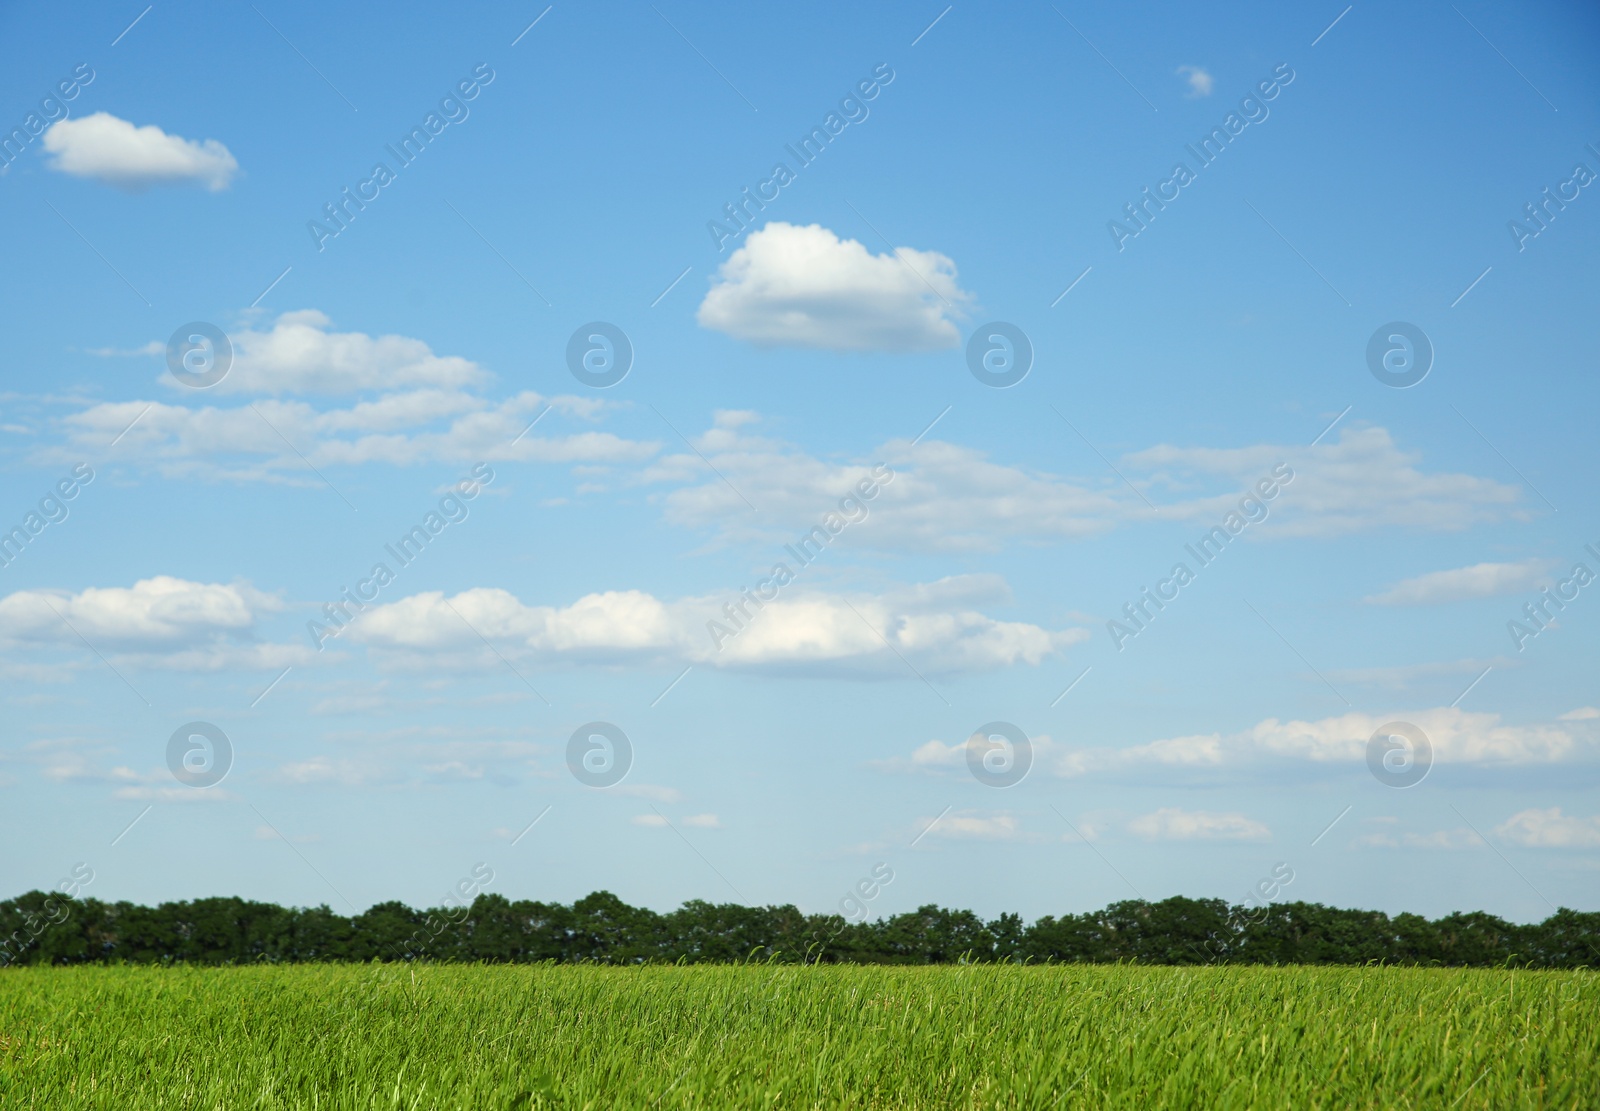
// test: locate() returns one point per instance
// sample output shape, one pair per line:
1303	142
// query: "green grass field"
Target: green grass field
398	1036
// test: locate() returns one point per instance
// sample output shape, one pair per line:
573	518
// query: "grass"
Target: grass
396	1036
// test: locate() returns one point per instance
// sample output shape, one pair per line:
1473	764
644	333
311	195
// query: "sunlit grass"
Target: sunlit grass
399	1036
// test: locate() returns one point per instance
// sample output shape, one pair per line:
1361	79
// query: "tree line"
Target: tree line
43	929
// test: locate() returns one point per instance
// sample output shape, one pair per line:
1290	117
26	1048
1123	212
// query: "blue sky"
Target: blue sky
575	163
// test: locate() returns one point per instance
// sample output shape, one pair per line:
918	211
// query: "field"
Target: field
477	1036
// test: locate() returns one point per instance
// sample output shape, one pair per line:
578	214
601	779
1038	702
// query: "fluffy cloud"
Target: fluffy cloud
1172	824
1550	829
942	757
157	611
114	151
792	286
1481	580
159	622
299	354
932	754
928	625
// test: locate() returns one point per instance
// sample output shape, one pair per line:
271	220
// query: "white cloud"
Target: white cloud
268	833
161	622
791	286
1457	737
63	761
928	624
697	821
1358	483
154	347
1582	713
1481	580
74	767
1550	829
420	408
936	495
322	769
1405	675
648	791
973	825
1461	838
453	771
937	754
1173	824
173	793
153	612
114	151
1200	81
415	755
953	498
248	443
218	656
940	757
299	354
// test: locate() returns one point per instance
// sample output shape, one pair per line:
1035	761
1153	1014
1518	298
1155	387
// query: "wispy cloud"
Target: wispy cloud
1481	580
1172	823
1199	80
